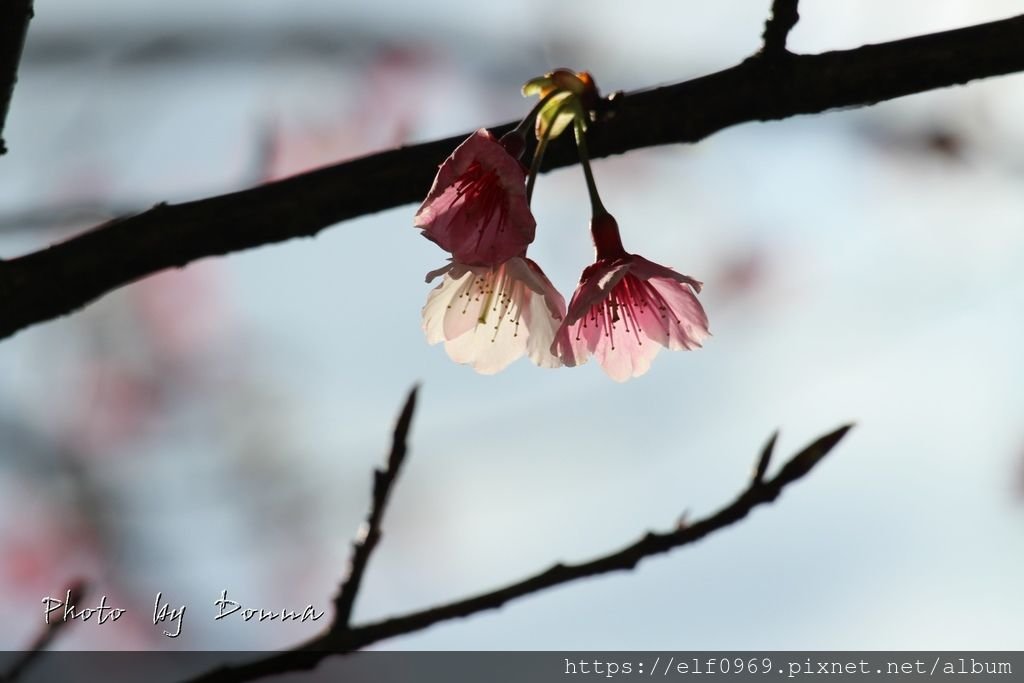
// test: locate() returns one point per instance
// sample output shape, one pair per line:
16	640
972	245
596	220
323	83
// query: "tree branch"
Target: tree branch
765	459
14	18
776	29
344	640
369	535
64	277
76	594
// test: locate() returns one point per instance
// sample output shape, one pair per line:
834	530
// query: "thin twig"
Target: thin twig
14	18
336	642
776	30
766	457
76	594
369	535
62	278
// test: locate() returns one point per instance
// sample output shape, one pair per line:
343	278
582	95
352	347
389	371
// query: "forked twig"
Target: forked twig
340	638
776	30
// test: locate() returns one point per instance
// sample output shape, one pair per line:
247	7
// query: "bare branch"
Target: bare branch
76	594
64	277
766	457
804	461
369	535
343	641
14	18
776	29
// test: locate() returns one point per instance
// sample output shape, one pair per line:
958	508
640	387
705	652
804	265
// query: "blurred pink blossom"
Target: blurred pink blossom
395	89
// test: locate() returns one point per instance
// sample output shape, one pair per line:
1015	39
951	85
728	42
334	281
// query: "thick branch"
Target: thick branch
780	23
62	278
334	641
14	18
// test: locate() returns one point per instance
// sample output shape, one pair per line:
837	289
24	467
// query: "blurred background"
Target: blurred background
215	428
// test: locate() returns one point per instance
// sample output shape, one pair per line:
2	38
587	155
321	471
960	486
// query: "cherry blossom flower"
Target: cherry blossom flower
477	208
488	317
626	308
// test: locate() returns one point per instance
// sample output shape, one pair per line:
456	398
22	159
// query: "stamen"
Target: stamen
632	298
491	277
505	287
608	326
469	294
657	299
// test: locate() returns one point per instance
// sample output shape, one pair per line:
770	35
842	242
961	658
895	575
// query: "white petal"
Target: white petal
493	344
439	303
542	326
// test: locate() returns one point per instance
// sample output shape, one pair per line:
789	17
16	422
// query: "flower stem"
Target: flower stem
596	207
542	146
528	120
538	156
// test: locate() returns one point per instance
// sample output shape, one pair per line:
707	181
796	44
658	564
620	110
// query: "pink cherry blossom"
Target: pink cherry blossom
626	308
488	317
477	208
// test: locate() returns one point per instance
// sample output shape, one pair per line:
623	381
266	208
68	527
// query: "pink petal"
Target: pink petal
596	282
645	270
477	208
650	315
568	345
623	354
624	310
686	320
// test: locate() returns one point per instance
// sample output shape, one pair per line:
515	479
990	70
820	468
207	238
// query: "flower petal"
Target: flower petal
439	303
624	310
543	313
489	347
596	282
477	208
686	320
468	309
488	317
645	270
623	355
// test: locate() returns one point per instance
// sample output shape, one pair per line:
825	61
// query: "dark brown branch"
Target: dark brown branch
343	641
369	535
63	278
765	459
76	594
362	548
780	23
14	18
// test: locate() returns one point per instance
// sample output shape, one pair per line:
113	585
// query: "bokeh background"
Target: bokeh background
215	428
